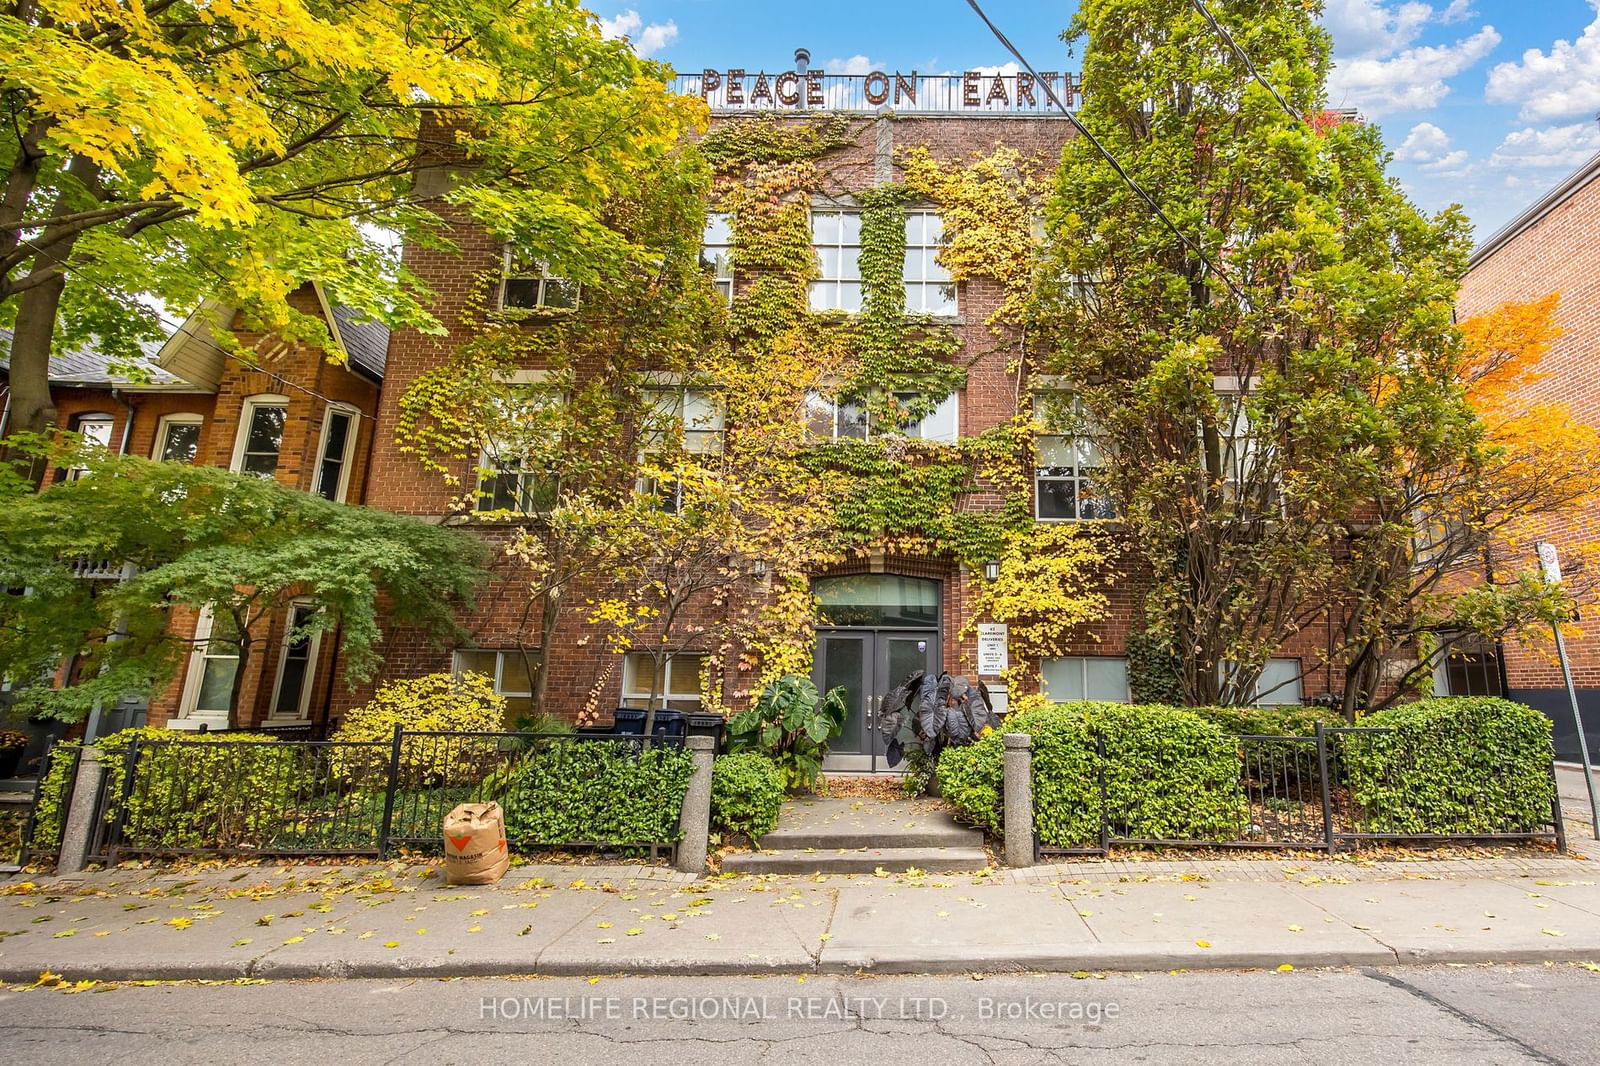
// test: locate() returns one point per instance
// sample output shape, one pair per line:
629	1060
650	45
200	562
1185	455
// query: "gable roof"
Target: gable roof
1566	190
87	367
366	342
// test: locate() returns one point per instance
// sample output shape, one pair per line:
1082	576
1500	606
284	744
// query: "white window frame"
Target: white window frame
641	698
96	419
826	292
247	414
510	273
313	646
492	465
199	654
500	655
705	438
343	487
1081	663
1297	686
922	258
817	401
1081	481
721	263
942	425
166	422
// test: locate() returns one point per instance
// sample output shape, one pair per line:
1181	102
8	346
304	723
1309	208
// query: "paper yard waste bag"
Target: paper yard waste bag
475	851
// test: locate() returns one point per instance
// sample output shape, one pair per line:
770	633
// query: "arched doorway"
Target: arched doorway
877	629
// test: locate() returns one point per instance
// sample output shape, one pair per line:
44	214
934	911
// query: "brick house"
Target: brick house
1553	245
303	419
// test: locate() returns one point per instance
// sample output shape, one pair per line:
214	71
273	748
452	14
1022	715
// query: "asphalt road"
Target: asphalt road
1478	1015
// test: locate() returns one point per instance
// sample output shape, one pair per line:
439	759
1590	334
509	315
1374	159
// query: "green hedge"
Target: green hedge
1291	721
1463	765
746	794
597	792
1169	774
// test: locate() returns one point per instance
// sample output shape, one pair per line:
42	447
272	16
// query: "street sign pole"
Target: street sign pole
1550	563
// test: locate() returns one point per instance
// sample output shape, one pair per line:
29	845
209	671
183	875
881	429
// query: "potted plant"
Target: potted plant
12	744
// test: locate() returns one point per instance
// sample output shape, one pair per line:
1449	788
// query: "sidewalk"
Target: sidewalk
386	921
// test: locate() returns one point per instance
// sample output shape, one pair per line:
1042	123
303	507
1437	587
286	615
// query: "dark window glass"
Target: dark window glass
1058	499
181	442
333	450
264	440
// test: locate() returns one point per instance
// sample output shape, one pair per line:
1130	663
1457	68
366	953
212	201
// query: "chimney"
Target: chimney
802	60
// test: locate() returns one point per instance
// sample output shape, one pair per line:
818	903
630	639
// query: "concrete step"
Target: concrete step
830	823
854	860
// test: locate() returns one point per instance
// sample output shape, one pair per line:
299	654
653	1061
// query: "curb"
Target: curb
843	964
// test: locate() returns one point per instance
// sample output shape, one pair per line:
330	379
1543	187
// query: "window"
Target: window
716	253
694	415
836	236
1279	685
96	432
208	692
1468	672
528	284
178	438
929	290
679	690
1245	457
1085	677
836	418
333	458
1067	461
291	696
513	477
260	440
511	671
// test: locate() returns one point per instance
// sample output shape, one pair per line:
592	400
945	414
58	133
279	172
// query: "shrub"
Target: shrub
746	794
1288	721
1468	765
1168	774
597	792
434	703
792	723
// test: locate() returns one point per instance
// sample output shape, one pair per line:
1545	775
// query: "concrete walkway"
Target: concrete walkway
379	921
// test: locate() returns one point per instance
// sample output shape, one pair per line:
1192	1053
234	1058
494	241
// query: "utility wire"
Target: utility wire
1200	6
1127	178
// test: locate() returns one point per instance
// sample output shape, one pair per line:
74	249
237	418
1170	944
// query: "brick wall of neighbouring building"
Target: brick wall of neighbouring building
1554	247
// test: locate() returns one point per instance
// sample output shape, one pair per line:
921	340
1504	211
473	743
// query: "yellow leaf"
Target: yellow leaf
179	923
1202	943
1552	932
295	940
391	944
243	941
63	933
1286	968
635	932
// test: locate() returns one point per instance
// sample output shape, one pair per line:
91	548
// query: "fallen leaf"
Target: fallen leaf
243	941
295	940
1286	968
1552	932
1202	943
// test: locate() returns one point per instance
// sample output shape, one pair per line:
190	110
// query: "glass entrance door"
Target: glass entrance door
867	664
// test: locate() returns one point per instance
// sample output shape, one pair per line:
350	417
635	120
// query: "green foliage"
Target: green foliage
791	723
442	703
1168	774
1155	674
771	139
921	772
203	536
598	792
1463	765
1267	721
747	792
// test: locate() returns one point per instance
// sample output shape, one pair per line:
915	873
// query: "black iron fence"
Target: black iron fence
251	794
1291	793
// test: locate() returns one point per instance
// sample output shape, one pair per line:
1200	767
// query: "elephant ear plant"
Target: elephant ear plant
792	723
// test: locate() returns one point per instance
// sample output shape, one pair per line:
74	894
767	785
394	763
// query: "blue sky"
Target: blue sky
1486	103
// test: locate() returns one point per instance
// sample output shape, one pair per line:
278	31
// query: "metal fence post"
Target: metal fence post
1558	818
1326	788
1019	824
388	794
694	819
1105	803
78	831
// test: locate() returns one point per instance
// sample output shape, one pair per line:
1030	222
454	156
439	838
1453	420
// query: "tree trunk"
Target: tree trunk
31	406
235	716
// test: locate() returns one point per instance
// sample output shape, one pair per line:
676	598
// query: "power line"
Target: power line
1200	6
1127	178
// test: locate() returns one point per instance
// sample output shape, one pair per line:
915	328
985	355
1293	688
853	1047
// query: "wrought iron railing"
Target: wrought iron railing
970	92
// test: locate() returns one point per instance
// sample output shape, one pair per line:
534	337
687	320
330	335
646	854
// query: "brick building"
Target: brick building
1551	246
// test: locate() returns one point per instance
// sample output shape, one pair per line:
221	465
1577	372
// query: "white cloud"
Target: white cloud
1371	27
854	65
655	37
1458	11
1412	79
1425	143
1558	84
1552	146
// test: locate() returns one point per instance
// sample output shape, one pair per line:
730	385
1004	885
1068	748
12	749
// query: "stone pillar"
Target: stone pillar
695	818
1019	799
80	812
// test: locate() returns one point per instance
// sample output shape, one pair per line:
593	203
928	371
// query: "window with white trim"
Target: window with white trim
529	285
683	414
929	289
213	665
1068	678
512	477
297	659
835	418
941	424
95	429
178	438
260	441
678	690
1243	451
511	671
1278	685
339	427
1067	460
716	252
838	418
836	236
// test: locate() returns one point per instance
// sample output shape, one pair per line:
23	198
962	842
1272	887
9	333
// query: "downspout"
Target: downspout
333	679
127	424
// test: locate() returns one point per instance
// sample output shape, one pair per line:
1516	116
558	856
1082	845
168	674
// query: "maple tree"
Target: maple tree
191	151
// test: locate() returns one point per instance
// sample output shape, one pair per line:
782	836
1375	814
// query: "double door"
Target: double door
867	663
